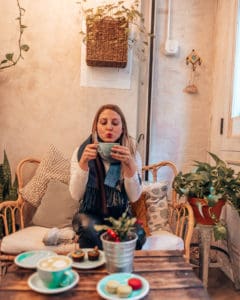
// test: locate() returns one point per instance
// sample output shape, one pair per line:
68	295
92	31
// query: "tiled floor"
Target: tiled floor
220	287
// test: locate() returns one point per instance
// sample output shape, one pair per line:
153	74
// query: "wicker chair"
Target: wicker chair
15	215
180	214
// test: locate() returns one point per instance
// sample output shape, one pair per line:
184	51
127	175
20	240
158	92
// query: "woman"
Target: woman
103	188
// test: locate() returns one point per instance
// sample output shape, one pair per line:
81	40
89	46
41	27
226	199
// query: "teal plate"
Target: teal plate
29	259
36	284
122	278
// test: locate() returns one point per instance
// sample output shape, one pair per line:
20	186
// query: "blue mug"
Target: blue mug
55	271
105	149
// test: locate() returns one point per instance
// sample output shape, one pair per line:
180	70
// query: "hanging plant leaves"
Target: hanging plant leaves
10	61
9	56
25	47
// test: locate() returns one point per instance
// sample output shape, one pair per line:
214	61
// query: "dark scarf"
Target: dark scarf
105	193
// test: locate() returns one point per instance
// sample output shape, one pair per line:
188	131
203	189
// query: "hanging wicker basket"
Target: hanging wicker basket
107	42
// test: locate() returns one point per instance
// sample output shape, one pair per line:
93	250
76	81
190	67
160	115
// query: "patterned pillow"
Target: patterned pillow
157	205
52	166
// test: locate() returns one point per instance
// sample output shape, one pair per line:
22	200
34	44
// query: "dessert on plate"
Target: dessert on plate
93	254
78	255
124	290
135	283
111	286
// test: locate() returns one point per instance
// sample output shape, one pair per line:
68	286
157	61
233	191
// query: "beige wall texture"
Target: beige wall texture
180	124
41	100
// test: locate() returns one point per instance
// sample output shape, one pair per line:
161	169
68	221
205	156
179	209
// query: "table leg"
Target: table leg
234	265
205	236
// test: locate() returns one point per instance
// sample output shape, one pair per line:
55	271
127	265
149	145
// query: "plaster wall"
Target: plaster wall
180	121
41	100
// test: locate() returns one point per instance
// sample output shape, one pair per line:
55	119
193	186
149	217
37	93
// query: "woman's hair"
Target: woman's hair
125	139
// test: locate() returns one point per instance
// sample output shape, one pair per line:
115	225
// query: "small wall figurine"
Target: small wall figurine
194	59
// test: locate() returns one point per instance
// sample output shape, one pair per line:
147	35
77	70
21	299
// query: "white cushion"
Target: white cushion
163	240
57	207
31	238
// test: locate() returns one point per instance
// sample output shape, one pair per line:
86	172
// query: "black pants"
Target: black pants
83	225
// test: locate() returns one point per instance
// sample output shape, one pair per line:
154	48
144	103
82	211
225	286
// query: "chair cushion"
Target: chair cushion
52	166
163	240
57	207
156	205
31	238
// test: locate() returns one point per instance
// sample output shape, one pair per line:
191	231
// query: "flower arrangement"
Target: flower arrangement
121	229
213	183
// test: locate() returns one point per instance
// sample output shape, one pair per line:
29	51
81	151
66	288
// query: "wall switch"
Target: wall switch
171	47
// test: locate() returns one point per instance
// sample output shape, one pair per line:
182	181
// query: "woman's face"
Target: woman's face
109	126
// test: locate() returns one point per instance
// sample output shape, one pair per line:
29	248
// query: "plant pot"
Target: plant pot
119	255
206	215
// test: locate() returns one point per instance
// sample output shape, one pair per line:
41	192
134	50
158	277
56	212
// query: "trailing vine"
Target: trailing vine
10	60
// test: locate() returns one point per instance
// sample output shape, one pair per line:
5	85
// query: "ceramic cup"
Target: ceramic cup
55	271
104	150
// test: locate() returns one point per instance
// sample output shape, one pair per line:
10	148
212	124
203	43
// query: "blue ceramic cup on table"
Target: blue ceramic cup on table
55	271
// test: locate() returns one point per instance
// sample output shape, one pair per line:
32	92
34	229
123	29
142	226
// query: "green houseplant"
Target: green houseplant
8	189
119	242
120	230
111	29
208	187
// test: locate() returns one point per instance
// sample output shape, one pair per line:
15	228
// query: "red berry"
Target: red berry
135	283
111	232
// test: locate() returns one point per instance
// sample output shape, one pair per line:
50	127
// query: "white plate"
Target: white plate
29	259
36	284
87	264
122	278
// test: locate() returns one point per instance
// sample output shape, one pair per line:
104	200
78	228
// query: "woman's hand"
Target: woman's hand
89	153
122	153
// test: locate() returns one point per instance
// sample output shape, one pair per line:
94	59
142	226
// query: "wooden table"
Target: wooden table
169	276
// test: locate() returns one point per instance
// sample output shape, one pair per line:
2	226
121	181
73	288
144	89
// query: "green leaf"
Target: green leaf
219	231
9	56
25	47
217	159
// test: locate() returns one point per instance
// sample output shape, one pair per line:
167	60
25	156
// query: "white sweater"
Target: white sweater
79	178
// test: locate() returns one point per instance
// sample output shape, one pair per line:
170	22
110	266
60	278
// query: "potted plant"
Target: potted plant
8	190
207	188
110	30
119	242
